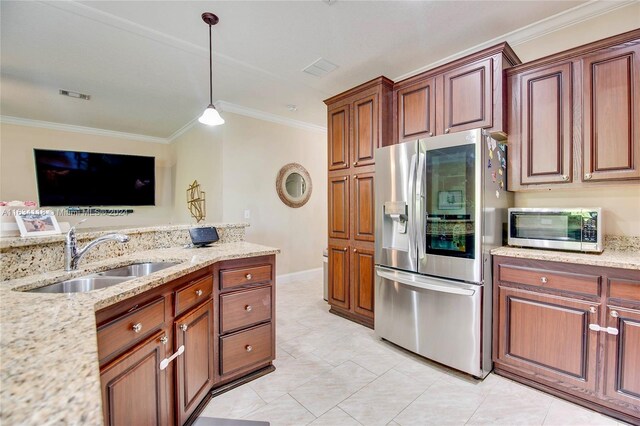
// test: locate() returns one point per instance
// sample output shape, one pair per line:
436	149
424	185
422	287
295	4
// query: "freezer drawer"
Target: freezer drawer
436	318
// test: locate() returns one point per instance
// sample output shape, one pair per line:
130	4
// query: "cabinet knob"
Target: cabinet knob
446	130
248	276
344	178
587	176
430	133
184	327
355	163
164	340
344	249
137	327
248	348
593	309
355	176
544	280
565	178
248	308
355	250
198	293
614	314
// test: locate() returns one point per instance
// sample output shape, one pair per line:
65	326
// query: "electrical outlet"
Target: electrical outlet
247	214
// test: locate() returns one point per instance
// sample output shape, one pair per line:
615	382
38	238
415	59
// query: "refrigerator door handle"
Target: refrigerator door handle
412	203
425	283
420	211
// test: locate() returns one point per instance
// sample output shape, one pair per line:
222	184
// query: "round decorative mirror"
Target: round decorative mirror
294	185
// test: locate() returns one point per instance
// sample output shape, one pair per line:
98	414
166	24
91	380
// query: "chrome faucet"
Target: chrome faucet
72	254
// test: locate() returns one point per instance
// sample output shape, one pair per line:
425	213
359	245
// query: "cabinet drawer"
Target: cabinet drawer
577	283
624	289
241	276
193	294
244	308
123	332
245	349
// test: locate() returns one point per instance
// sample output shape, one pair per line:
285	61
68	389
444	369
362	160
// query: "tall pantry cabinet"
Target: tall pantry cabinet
359	121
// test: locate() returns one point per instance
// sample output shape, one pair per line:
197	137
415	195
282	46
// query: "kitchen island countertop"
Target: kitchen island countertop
49	372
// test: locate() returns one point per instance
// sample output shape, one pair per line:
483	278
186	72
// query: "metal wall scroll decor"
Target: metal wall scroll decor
196	202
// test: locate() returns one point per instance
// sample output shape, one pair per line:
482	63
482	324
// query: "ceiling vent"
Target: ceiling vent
74	94
320	68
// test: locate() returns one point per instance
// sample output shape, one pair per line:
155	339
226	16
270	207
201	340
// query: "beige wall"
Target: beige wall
253	153
17	169
198	154
621	203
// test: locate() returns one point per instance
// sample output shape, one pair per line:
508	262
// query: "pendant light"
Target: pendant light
210	116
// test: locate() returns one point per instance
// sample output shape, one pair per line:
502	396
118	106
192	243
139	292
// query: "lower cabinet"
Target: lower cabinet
134	388
572	330
194	368
159	351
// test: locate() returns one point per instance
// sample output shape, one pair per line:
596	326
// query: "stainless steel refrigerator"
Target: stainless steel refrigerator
441	206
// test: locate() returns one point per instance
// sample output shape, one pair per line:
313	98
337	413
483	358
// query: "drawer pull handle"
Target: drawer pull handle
593	309
248	308
430	133
164	340
137	327
165	362
544	280
587	176
184	327
447	130
610	330
198	293
248	276
565	178
248	348
614	314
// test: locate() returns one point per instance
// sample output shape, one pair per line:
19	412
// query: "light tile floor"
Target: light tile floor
330	371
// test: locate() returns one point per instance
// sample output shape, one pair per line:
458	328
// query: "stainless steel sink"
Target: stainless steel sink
104	279
81	285
137	269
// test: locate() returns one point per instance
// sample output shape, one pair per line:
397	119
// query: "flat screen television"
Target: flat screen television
70	178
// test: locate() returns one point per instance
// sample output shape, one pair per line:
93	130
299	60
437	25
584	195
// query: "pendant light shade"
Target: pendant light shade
210	116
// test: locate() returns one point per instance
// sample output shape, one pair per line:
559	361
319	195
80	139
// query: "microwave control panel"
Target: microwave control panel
590	228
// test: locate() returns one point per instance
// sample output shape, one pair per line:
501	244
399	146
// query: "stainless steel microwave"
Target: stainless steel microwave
576	229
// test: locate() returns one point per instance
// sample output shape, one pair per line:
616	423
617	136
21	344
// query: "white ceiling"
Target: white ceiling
145	63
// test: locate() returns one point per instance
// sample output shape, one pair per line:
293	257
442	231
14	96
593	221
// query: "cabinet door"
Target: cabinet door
365	130
416	111
339	207
339	138
611	93
548	337
546	125
363	281
134	389
468	97
194	368
339	276
363	220
622	366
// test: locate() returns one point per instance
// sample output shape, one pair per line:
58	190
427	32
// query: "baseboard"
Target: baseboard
307	275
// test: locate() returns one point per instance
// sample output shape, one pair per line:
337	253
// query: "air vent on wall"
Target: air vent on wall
320	68
75	94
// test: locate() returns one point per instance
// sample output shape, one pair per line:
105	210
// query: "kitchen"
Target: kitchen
238	162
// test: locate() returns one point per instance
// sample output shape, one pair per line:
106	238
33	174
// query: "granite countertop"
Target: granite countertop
49	372
610	258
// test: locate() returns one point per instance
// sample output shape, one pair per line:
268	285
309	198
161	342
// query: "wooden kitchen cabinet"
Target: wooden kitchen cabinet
351	188
363	281
195	367
338	133
134	389
461	95
573	117
416	111
570	330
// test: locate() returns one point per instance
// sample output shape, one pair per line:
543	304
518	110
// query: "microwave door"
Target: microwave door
395	243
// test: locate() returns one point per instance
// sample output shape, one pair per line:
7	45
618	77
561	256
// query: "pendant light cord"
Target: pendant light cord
210	69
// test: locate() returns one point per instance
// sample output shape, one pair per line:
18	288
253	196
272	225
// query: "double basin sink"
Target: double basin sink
104	279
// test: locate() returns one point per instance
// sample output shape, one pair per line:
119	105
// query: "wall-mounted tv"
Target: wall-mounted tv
70	178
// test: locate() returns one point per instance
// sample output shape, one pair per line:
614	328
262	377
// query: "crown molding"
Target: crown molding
530	32
4	119
261	115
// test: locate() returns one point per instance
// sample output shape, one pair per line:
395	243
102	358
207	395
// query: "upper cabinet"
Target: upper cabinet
574	117
339	137
461	95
